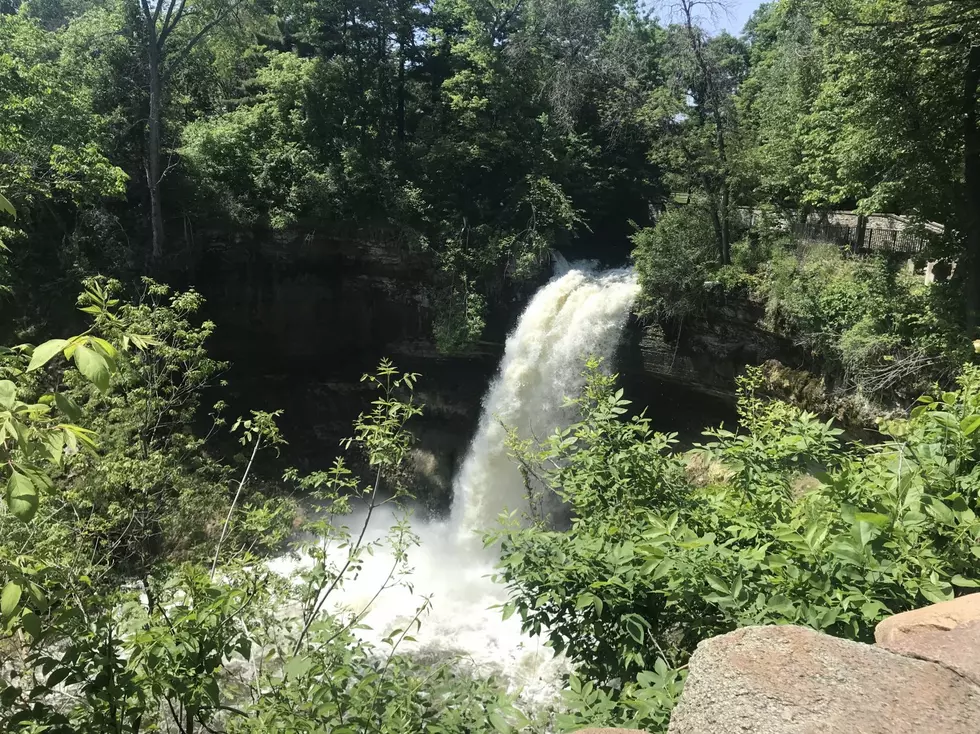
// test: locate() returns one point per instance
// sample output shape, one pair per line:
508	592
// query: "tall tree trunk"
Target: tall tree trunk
726	234
400	111
153	152
713	98
971	181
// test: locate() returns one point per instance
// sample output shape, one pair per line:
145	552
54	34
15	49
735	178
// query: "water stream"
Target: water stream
580	312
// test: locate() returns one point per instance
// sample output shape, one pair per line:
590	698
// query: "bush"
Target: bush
871	320
673	260
181	648
788	526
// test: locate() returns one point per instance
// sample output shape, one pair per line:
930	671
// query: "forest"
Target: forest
146	517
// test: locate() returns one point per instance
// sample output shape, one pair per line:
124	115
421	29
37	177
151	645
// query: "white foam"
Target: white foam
578	313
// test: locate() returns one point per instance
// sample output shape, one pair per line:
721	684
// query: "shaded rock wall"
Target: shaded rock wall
302	315
706	355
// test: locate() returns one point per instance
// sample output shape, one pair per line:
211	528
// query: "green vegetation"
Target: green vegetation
132	552
135	523
777	522
112	620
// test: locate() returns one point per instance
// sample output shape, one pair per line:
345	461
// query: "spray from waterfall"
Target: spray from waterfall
579	313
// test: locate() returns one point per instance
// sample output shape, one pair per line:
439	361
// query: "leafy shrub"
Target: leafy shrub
673	260
184	649
881	326
791	527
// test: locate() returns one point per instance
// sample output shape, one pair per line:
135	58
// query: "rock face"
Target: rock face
302	314
707	354
947	634
792	680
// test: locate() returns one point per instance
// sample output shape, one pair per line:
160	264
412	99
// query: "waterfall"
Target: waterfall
579	313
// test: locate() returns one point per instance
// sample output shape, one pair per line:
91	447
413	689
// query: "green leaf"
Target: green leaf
964	582
634	627
297	667
44	353
93	365
105	347
970	424
875	518
780	604
934	592
827	618
67	406
21	496
31	624
499	723
8	394
9	599
871	609
6	206
717	584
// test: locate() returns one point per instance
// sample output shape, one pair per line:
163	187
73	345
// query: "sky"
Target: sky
739	12
732	20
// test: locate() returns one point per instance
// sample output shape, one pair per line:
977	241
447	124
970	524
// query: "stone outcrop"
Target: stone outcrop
947	634
302	314
793	680
706	354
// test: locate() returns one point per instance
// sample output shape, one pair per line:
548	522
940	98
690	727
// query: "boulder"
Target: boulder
947	633
792	680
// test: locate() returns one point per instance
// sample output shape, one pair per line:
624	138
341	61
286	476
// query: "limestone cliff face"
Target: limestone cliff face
706	355
301	315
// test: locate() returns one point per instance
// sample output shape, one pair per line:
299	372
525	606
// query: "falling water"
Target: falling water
579	313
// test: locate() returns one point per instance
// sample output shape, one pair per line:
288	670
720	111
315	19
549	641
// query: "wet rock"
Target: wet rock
792	680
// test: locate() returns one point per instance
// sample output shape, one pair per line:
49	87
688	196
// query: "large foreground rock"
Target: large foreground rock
792	680
947	633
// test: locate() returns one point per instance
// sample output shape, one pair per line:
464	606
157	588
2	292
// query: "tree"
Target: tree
865	130
167	46
696	113
52	142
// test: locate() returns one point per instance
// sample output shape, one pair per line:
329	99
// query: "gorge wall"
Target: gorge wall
301	315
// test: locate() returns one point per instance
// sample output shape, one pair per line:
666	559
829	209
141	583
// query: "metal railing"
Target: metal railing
872	239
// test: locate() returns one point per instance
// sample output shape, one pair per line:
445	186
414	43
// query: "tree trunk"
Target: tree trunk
726	234
153	152
971	181
400	111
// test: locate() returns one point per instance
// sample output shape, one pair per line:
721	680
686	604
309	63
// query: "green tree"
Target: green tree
696	115
667	549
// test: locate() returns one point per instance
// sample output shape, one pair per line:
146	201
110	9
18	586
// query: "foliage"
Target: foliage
481	134
674	259
184	649
788	526
882	326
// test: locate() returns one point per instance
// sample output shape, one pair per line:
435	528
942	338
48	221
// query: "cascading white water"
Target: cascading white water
578	313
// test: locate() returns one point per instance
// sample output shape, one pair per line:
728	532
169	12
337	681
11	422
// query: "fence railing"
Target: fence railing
871	239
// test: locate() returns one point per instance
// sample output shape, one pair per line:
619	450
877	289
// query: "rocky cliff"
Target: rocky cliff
302	315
